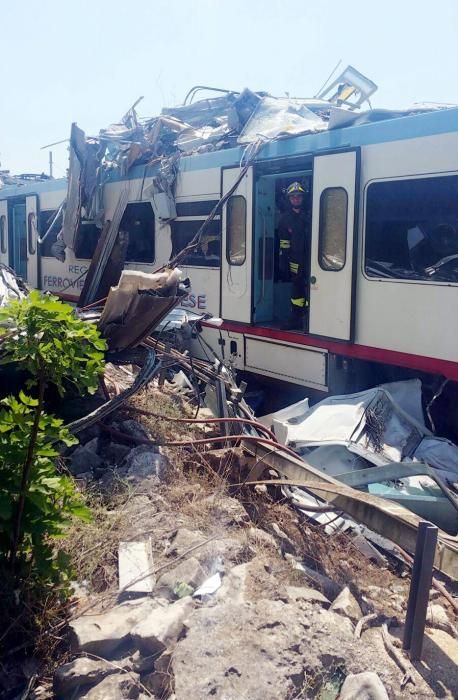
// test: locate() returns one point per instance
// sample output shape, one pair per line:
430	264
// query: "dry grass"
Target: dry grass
93	547
164	402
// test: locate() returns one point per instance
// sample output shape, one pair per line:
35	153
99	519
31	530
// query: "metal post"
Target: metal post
422	572
222	404
50	163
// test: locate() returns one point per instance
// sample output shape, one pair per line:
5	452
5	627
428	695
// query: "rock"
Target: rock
143	462
227	548
225	510
436	616
256	650
89	433
116	687
363	686
133	428
159	682
116	453
261	537
249	581
329	587
309	594
80	671
346	604
84	459
183	540
162	627
286	544
103	634
142	664
188	572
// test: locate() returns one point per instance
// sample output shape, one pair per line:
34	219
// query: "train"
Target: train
382	204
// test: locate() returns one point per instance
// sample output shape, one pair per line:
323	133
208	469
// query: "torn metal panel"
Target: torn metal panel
275	117
202	112
347	436
103	253
72	213
135	307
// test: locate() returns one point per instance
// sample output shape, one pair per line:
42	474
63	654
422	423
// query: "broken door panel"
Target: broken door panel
237	247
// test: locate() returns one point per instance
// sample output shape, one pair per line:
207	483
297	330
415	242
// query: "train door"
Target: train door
17	237
236	258
19	248
333	244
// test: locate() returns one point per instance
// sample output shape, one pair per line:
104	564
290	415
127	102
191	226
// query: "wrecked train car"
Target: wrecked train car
382	206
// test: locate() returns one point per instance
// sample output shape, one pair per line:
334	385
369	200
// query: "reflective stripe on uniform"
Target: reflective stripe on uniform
294	267
285	243
300	301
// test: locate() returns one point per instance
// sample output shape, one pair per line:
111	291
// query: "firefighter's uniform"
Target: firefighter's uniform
293	235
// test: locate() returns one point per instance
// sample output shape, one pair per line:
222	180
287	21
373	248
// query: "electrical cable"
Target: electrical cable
244	421
201	441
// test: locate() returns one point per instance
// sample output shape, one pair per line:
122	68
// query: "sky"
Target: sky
87	61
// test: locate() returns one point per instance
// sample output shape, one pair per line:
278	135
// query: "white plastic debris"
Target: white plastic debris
135	561
209	586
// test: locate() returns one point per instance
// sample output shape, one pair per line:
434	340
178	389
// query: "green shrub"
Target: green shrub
44	336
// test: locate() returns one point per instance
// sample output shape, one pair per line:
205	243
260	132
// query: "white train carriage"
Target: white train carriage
383	210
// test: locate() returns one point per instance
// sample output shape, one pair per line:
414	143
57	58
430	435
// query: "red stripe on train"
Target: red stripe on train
431	365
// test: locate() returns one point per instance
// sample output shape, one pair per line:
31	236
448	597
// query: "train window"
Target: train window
138	222
208	251
412	229
236	230
44	221
332	241
3	234
31	231
86	240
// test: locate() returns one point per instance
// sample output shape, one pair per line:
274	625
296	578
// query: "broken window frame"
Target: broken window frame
232	256
410	269
182	238
130	257
43	225
326	257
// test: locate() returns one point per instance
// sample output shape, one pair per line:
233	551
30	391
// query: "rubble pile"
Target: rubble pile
228	613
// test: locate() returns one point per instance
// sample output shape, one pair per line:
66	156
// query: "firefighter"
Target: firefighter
293	234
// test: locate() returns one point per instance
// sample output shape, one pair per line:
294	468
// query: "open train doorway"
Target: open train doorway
272	281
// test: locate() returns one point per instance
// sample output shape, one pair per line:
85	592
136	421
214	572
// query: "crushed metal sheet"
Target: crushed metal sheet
347	436
135	307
